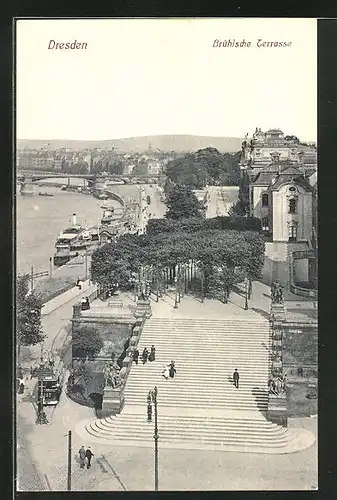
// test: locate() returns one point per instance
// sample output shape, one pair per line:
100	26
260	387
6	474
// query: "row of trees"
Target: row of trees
28	315
224	257
208	165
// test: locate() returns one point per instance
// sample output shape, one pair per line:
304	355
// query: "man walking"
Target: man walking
135	356
89	454
82	455
236	378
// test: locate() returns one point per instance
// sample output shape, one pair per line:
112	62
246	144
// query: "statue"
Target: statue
276	293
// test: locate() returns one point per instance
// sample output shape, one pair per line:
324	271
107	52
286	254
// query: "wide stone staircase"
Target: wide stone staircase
200	408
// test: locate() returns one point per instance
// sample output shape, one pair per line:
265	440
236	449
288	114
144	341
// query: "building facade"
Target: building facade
283	197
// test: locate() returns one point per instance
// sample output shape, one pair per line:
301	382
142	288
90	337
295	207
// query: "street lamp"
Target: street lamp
152	398
176	293
246	293
202	286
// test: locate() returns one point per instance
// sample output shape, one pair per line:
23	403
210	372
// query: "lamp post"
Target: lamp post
86	263
202	286
152	398
176	293
246	293
41	415
69	462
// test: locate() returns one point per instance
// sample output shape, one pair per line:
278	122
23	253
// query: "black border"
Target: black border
327	81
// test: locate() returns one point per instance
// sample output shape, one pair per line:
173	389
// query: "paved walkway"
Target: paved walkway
129	468
56	323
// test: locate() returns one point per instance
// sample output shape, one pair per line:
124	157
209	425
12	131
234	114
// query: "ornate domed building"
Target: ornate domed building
282	197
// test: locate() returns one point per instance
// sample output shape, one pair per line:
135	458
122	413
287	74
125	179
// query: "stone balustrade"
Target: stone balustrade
113	398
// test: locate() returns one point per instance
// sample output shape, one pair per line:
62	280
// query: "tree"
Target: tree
86	342
80	167
187	171
97	167
182	203
292	138
140	169
241	207
28	314
117	167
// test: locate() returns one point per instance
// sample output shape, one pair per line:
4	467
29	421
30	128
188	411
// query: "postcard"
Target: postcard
166	254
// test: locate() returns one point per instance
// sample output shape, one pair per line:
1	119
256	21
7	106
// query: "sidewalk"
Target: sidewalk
65	297
130	468
192	307
56	315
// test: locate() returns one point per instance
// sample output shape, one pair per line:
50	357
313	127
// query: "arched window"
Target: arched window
265	224
292	206
265	200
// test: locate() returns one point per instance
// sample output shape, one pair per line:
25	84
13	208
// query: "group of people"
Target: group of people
169	370
277	385
85	304
146	355
85	454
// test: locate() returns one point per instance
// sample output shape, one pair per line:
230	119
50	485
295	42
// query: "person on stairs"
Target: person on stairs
89	454
135	356
145	355
172	369
81	454
236	378
152	355
166	371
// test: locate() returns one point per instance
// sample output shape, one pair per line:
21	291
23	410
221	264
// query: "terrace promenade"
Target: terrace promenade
129	468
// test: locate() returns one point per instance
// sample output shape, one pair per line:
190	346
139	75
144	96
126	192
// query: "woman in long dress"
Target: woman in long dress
145	355
166	372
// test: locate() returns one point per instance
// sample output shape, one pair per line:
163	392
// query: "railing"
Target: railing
296	289
304	292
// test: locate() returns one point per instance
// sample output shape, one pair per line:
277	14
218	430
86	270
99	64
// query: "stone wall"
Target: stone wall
114	332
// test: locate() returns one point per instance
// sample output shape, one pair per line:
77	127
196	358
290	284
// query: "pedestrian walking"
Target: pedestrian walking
152	355
166	372
145	355
89	454
236	378
83	304
79	283
172	369
21	386
82	455
135	356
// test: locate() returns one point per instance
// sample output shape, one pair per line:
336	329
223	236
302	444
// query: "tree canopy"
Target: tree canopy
28	314
140	169
241	207
206	165
236	253
182	203
86	342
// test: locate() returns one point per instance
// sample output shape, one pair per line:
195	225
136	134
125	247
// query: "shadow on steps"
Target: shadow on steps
261	397
261	312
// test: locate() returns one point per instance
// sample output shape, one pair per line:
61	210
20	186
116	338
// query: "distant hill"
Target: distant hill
166	143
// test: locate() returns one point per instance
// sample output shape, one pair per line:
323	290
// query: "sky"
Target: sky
142	77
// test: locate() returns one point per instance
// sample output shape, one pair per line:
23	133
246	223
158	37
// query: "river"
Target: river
40	219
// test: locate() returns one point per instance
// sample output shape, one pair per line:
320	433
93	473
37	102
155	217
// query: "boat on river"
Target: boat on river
45	194
73	241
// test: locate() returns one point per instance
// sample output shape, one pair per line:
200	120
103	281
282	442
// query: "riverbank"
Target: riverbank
63	278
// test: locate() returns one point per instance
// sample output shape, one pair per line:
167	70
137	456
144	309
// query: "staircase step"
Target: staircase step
206	351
